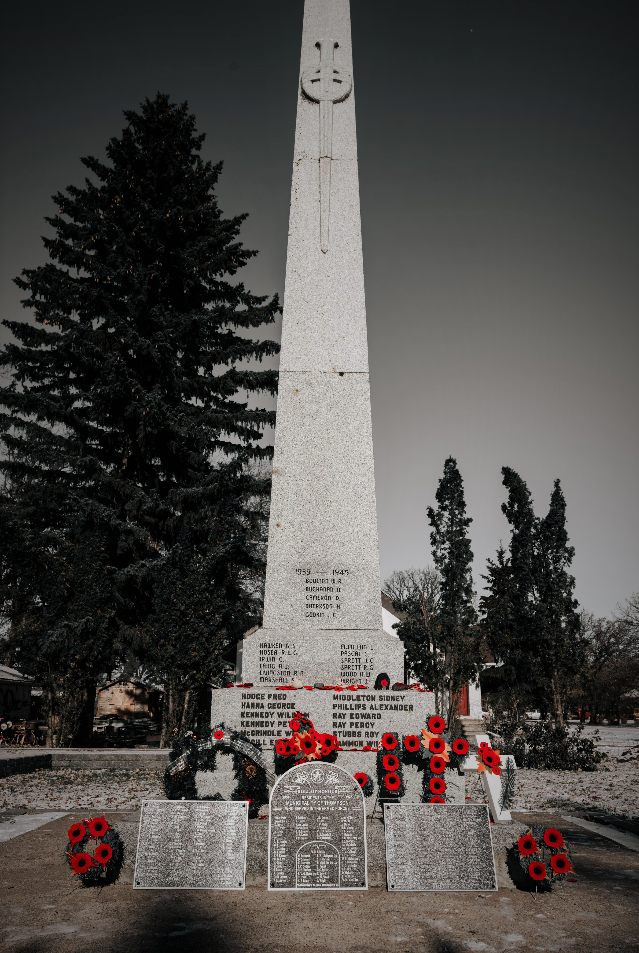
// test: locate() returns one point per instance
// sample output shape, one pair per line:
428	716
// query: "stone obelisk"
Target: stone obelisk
322	614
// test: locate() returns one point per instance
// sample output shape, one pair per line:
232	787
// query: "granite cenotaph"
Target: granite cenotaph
322	619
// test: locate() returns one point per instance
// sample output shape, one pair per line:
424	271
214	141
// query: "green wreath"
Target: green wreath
198	752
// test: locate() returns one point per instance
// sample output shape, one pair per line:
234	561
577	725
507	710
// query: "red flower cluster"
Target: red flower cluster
311	744
389	765
93	829
551	840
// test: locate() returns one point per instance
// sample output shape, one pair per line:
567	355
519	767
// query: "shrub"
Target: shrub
543	745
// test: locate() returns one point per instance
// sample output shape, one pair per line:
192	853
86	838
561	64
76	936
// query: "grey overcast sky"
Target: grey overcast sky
498	178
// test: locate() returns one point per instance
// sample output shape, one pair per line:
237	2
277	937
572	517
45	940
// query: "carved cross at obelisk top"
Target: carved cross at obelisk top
326	84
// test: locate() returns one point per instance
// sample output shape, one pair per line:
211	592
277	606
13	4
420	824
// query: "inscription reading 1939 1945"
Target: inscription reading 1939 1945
323	592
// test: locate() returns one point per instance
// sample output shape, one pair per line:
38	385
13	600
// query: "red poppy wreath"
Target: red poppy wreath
95	852
544	856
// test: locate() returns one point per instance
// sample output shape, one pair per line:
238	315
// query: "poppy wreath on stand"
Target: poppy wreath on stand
95	852
435	754
544	856
305	744
390	774
197	751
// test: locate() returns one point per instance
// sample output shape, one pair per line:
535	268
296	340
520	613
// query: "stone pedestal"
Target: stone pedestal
271	658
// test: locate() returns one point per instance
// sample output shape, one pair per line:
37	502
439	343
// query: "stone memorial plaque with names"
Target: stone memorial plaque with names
317	831
357	718
439	847
194	845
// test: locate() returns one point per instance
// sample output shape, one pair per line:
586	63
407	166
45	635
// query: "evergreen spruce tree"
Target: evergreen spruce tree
529	614
130	422
560	648
458	638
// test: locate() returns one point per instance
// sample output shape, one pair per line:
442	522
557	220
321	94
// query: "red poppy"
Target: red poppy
338	688
309	688
411	743
384	683
560	864
308	744
218	735
460	746
437	785
483	745
392	781
537	870
436	724
103	854
361	778
77	833
527	845
328	743
294	724
553	838
437	745
491	758
80	862
389	741
496	771
436	799
282	747
98	827
437	765
390	762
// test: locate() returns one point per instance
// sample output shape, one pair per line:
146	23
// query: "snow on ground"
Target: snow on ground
100	788
613	788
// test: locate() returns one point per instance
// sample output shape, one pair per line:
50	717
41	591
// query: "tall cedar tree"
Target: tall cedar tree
457	636
529	614
129	421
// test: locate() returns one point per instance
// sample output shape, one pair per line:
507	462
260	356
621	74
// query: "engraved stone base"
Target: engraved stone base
357	718
346	657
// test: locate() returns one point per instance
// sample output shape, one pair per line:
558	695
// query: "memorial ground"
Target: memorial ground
45	911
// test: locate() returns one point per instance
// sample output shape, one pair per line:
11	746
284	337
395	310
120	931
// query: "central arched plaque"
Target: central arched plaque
317	831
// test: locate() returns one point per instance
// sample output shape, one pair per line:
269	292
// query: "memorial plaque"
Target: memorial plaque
439	847
317	831
194	845
357	718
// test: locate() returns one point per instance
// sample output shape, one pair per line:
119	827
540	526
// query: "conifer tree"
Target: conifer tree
529	614
457	639
130	420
